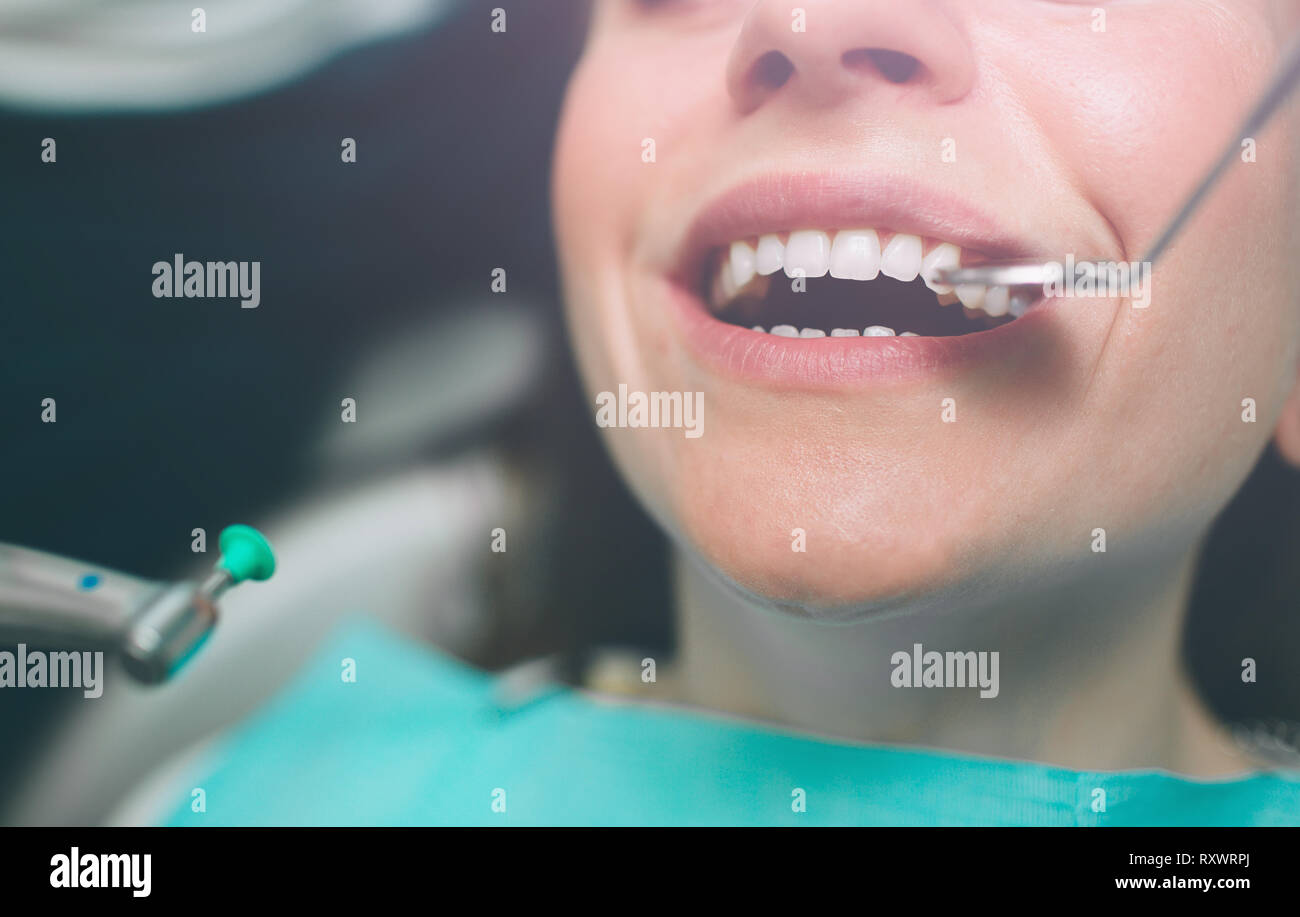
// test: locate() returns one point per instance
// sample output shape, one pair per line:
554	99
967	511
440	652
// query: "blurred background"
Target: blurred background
175	414
182	413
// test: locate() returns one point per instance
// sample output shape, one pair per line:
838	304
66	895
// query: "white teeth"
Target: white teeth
758	328
770	256
997	301
807	254
725	289
745	269
909	334
970	294
901	258
943	256
742	264
855	255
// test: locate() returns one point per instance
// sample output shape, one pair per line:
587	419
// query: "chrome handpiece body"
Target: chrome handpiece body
155	626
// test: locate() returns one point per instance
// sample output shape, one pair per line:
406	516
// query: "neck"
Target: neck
1089	678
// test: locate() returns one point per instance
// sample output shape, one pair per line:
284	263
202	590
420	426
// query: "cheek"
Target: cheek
630	111
588	154
591	152
1222	329
627	90
1136	121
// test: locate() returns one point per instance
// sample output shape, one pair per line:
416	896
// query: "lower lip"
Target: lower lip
755	357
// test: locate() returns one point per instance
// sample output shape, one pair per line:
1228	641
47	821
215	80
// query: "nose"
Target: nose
823	51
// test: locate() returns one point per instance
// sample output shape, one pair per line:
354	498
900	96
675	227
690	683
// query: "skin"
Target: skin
974	535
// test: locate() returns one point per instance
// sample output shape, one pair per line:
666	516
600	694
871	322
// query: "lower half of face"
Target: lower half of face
867	440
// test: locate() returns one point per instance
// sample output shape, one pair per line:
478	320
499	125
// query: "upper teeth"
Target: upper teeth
901	258
855	254
852	254
942	256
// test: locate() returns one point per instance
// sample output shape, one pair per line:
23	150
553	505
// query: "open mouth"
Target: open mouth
773	283
845	283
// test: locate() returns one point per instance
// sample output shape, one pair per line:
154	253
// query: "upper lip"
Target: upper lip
846	200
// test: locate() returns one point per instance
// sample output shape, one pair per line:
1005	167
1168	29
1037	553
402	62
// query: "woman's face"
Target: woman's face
978	454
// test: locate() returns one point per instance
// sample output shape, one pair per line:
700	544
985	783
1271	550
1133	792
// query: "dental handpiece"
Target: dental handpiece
155	626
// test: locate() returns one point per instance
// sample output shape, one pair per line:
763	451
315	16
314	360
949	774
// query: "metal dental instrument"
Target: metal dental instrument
155	626
1028	273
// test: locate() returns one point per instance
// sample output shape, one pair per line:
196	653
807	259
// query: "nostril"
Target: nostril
894	66
772	70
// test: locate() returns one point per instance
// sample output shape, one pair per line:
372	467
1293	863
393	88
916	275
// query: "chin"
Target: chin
834	546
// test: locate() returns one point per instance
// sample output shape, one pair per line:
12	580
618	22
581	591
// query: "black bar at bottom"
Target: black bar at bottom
329	865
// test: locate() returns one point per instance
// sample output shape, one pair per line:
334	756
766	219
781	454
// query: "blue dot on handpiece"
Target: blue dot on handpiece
90	581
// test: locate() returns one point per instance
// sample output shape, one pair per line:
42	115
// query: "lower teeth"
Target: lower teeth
875	331
839	302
